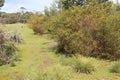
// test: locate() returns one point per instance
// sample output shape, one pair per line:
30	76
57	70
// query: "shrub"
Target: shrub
115	68
68	61
76	64
7	49
15	37
37	23
81	67
107	38
12	64
70	34
88	31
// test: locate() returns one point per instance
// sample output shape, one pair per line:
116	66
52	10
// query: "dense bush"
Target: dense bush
11	18
37	23
7	48
87	30
108	39
6	53
116	67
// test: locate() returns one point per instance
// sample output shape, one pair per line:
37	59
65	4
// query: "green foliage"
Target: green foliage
2	3
37	23
58	72
73	30
40	61
51	11
16	37
77	65
12	64
68	61
81	67
7	49
107	37
10	18
116	67
87	30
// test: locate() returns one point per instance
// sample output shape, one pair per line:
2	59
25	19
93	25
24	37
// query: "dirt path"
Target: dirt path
35	57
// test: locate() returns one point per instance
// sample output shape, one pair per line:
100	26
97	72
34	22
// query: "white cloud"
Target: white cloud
30	5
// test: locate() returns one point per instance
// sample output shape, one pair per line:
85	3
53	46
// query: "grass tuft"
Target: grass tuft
115	68
57	72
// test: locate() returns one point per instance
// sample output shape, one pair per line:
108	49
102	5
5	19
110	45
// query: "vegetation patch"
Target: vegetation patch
87	31
8	50
78	65
81	67
37	23
116	67
57	72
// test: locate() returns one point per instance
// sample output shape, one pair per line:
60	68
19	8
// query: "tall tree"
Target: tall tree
2	3
46	11
69	3
52	10
118	5
22	10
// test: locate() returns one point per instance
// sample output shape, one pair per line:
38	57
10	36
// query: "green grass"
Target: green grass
36	57
115	68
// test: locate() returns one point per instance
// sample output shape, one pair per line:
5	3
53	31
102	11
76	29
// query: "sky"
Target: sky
30	5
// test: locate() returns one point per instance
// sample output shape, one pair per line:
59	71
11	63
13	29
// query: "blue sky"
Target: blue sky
30	5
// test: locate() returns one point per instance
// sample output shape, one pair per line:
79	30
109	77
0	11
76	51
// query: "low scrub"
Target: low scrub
81	67
8	49
58	72
77	65
37	23
116	67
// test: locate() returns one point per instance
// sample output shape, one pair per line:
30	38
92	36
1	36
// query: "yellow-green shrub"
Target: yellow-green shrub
73	29
78	65
107	38
87	30
37	23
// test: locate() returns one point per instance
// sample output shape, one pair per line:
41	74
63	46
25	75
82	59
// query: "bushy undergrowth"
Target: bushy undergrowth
81	67
77	65
8	50
88	31
37	23
116	67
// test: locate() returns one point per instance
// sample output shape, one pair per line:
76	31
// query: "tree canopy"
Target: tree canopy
69	3
2	3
